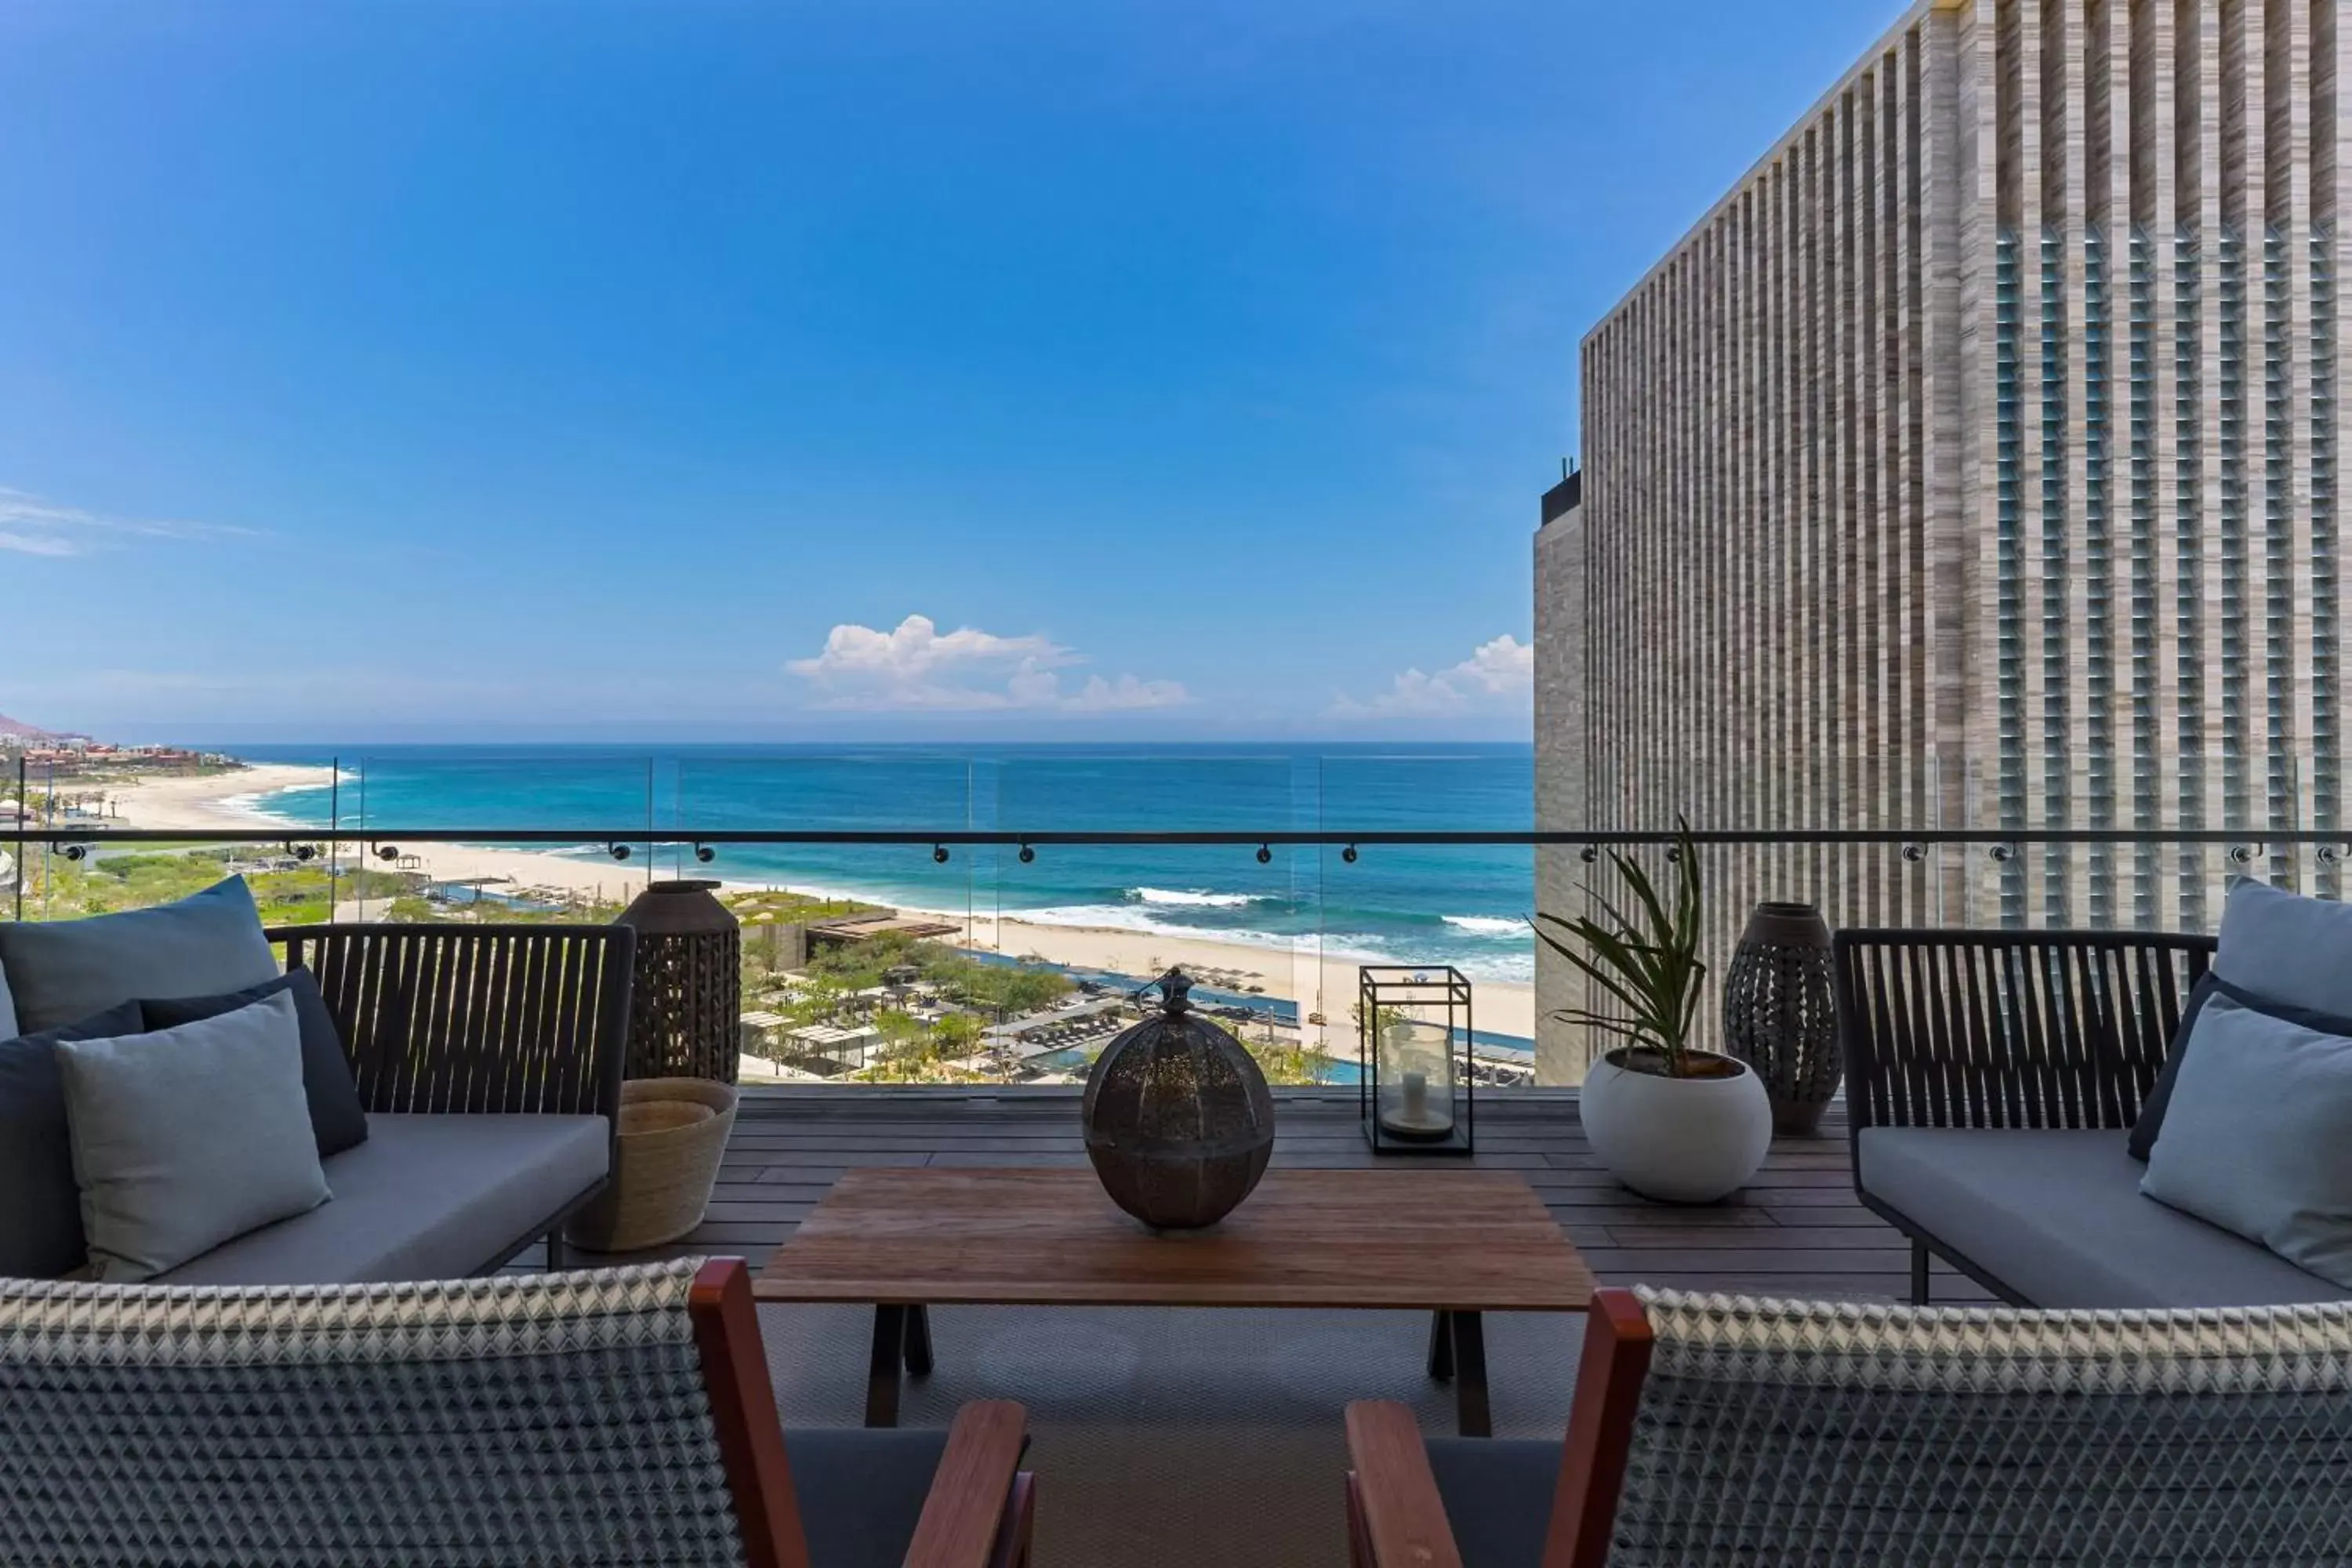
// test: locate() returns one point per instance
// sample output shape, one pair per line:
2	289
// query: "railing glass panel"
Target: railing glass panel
849	973
1240	919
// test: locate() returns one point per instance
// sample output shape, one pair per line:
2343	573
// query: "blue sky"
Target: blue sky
1082	370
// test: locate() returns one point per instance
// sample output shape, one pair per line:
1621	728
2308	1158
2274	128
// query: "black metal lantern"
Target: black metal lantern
1779	1014
1413	1052
1179	1122
686	1004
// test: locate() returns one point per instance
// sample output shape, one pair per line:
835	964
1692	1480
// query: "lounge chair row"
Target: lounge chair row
626	1415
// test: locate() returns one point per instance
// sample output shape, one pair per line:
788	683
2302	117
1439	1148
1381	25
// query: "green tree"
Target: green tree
956	1035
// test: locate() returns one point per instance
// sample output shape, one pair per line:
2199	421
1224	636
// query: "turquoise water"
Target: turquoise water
1414	905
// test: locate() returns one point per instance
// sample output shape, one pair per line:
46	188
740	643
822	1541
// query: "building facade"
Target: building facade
1972	463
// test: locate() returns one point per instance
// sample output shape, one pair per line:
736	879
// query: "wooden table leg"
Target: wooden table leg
918	1340
1474	1417
882	1367
1440	1345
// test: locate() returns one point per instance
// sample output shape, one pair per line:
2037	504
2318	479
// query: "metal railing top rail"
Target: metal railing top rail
90	833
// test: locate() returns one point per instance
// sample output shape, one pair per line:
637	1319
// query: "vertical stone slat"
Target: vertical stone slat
2290	79
2030	557
2206	522
2072	214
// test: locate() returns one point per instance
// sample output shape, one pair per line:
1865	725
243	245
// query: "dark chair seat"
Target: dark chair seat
1498	1496
861	1491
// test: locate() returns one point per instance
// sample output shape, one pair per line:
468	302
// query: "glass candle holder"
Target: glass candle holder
1416	1078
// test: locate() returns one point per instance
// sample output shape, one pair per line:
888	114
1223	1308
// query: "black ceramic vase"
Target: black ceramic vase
1179	1122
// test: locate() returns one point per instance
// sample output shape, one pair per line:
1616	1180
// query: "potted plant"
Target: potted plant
1667	1118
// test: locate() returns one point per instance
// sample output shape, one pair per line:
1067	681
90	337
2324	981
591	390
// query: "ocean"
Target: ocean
1418	905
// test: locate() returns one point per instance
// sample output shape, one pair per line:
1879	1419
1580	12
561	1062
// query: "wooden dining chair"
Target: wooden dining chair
616	1417
1708	1431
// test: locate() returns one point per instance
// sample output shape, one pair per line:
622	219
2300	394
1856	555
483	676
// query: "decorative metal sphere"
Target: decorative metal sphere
1179	1122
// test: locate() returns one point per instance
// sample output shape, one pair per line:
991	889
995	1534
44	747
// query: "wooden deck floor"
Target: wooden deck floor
1796	1230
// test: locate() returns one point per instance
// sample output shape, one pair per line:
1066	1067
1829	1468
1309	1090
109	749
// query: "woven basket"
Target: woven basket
672	1135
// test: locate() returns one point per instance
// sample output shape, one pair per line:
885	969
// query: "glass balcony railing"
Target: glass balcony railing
1036	891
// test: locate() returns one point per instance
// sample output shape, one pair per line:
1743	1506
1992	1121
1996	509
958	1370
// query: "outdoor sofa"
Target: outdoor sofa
489	1059
487	1062
1993	1081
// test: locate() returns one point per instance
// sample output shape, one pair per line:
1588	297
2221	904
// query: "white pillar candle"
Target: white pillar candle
1416	1097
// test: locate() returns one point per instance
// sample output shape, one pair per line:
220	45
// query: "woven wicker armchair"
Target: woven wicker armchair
1713	1430
617	1417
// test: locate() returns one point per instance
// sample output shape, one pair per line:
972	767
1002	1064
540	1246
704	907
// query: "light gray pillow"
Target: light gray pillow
8	1030
2258	1136
2287	948
188	1136
205	944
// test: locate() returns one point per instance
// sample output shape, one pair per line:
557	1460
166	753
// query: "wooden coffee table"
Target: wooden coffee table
1453	1243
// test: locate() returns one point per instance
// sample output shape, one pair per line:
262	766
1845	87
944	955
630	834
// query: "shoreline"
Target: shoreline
1318	982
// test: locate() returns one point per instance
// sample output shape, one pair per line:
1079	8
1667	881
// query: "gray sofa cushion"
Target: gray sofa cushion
2257	1142
426	1198
2058	1217
2212	990
189	1136
337	1118
40	1218
1498	1495
206	944
2290	949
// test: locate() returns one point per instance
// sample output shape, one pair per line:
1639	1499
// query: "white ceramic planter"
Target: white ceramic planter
1685	1140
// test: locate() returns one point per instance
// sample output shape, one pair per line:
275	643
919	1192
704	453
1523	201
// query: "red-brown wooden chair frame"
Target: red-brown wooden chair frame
981	1507
1395	1516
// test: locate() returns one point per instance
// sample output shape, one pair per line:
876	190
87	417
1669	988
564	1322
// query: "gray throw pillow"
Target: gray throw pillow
2290	949
40	1207
8	1030
201	946
337	1118
2208	985
186	1137
2254	1140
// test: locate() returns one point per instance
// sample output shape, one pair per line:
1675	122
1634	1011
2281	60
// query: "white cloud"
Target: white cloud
1498	676
36	544
1100	696
31	526
915	666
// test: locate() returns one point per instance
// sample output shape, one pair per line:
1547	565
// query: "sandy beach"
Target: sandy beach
1321	982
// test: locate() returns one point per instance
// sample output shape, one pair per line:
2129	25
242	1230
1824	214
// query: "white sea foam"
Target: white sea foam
1487	925
1184	897
1127	917
1346	947
262	805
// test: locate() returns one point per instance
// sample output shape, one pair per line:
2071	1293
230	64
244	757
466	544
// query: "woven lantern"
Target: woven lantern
1779	1015
685	1011
1179	1122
